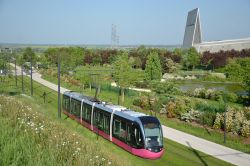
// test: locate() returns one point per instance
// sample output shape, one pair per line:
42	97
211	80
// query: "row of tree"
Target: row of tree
219	59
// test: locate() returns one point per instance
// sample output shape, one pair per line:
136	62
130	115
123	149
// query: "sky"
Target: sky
148	22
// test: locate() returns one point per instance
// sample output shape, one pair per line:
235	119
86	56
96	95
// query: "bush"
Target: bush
218	121
207	118
192	115
231	97
170	108
236	122
137	102
164	99
164	87
205	93
176	107
205	107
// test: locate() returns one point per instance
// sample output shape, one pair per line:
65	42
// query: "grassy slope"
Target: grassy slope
175	154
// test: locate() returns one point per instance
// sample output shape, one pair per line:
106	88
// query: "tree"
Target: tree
246	76
29	55
234	70
193	58
51	55
122	74
169	66
153	67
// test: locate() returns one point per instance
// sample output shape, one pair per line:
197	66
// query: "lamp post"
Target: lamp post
22	78
59	93
31	79
15	73
225	117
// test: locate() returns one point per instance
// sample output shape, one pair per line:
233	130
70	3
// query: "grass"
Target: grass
29	138
233	141
175	153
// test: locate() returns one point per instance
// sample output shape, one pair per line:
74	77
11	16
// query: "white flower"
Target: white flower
109	163
97	157
103	159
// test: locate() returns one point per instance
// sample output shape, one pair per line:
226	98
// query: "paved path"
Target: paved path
210	148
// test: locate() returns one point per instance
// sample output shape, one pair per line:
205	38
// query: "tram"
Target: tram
137	133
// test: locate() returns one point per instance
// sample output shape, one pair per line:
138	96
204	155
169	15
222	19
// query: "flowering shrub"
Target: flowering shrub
236	122
213	94
190	116
205	93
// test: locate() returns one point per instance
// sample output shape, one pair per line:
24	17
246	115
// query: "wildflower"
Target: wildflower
109	163
103	159
96	157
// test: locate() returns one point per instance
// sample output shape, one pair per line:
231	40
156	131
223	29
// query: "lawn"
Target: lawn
175	153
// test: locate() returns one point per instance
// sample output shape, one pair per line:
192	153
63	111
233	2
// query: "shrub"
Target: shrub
207	118
164	87
231	97
236	122
205	107
247	112
218	121
245	130
190	116
170	108
180	107
137	102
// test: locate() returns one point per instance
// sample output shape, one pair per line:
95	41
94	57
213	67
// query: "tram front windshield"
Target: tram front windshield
153	132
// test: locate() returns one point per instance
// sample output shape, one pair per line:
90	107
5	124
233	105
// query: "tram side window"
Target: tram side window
66	103
136	137
75	107
100	121
87	112
120	129
117	128
129	131
106	123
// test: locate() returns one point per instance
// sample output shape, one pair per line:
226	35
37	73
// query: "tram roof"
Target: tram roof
119	110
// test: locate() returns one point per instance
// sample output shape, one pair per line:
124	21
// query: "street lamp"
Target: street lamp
225	116
59	94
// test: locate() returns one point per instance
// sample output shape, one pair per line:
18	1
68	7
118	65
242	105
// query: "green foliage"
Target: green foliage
122	71
29	55
233	70
153	67
69	57
207	107
164	87
191	58
3	64
122	74
207	118
170	66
